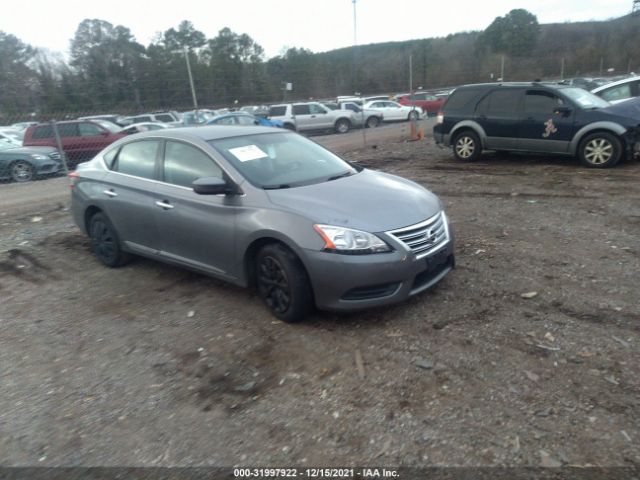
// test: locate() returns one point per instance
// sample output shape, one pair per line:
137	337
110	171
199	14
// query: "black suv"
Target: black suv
537	117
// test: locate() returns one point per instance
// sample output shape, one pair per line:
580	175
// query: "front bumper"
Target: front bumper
353	282
48	168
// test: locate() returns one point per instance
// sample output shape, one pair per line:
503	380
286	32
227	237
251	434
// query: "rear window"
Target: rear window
43	132
460	98
277	111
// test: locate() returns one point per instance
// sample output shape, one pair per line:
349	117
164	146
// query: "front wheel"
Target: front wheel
413	116
342	126
600	150
283	284
466	146
105	243
22	171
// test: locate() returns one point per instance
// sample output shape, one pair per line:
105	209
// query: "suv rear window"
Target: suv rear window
277	111
460	98
43	132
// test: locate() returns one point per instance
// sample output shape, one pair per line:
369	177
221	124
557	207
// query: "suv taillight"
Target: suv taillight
440	118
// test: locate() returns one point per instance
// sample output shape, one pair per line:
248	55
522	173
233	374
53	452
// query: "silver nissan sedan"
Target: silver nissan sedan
264	207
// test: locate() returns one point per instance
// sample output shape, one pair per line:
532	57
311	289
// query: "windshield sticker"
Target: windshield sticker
250	152
549	128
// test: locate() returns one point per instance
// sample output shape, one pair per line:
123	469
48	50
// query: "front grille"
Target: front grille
425	237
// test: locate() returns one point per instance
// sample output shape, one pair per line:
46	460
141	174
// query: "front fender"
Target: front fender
580	134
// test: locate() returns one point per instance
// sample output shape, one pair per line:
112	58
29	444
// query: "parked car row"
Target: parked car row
539	118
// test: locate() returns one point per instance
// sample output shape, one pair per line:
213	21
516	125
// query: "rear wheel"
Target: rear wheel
600	150
290	126
343	126
105	243
22	171
282	283
466	146
413	115
373	122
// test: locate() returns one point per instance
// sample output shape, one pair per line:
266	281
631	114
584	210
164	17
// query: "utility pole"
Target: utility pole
562	69
355	69
193	88
601	65
502	68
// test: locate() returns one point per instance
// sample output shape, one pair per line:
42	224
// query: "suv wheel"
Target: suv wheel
343	126
22	171
373	122
600	150
466	146
282	283
105	243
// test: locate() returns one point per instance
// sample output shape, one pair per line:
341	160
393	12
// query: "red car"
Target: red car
430	104
81	139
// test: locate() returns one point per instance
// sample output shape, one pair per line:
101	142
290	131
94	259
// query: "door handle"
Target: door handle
165	205
110	193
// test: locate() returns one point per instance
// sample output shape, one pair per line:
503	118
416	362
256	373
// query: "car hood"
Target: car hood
370	201
32	150
629	108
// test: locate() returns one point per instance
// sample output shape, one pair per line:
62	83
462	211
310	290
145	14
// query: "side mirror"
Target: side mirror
212	186
562	111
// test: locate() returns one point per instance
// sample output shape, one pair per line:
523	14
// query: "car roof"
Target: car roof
616	83
514	84
208	132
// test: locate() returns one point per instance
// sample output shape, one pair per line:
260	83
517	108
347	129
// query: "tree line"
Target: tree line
109	71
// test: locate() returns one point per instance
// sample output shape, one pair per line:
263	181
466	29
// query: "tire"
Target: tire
600	150
466	146
342	126
413	116
283	284
105	243
372	122
290	126
22	171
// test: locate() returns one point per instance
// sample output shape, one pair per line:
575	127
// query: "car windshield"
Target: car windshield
281	160
112	127
585	99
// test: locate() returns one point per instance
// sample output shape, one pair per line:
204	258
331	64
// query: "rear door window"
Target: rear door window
165	117
301	110
277	111
68	130
138	159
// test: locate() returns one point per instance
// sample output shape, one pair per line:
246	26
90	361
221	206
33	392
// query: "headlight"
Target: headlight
347	240
39	157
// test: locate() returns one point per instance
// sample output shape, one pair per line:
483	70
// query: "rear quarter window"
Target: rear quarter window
459	99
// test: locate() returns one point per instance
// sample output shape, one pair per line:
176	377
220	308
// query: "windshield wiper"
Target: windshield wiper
348	173
276	187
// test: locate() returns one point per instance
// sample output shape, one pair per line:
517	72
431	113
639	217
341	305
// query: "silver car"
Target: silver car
265	207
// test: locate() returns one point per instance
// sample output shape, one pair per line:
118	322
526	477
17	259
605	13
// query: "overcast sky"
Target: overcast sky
318	25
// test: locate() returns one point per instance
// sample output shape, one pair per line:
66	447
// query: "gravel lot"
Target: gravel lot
527	354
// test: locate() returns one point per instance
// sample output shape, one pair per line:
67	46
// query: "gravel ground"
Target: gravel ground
527	354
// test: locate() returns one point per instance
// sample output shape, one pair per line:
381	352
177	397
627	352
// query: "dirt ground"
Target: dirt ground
154	365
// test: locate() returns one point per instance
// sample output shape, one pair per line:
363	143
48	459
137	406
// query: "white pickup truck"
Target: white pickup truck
309	116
